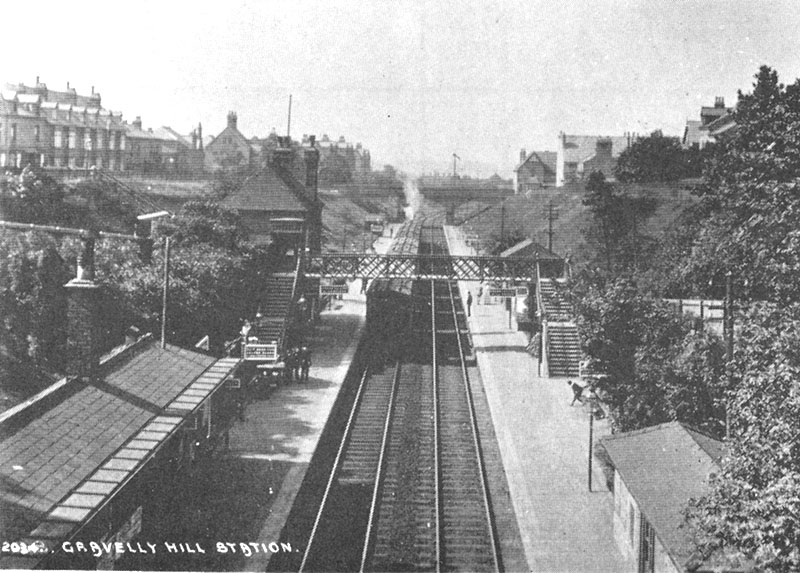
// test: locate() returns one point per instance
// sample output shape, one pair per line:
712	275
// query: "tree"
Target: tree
207	222
618	220
656	367
753	506
33	310
29	197
655	158
751	197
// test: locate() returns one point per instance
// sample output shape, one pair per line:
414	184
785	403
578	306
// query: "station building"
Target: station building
96	456
657	470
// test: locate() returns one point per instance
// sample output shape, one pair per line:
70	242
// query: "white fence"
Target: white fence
711	312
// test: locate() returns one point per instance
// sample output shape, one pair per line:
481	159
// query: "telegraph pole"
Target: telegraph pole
552	215
289	121
502	221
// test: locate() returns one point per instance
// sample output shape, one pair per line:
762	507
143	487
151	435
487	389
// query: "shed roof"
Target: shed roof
48	449
530	248
663	467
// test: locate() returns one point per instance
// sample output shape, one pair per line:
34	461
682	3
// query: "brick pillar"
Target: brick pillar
83	325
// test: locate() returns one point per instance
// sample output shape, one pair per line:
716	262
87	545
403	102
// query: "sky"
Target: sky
414	81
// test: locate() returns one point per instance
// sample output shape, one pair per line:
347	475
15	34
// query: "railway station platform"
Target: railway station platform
251	492
544	444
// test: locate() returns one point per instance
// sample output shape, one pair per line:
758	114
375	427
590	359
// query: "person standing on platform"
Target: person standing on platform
291	359
297	359
469	304
305	362
480	293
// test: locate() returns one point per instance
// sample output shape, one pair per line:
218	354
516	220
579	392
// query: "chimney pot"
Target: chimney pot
83	326
132	335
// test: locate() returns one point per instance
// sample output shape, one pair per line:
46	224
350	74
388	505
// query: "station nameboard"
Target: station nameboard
507	292
333	289
261	352
522	291
377	229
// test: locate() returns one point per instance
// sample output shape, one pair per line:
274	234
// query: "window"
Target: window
57	138
36	133
647	547
71	138
631	521
13	132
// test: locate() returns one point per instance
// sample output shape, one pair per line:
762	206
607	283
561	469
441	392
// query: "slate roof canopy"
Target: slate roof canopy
530	248
50	447
663	467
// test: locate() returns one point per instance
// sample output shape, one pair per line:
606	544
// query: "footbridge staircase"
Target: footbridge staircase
560	340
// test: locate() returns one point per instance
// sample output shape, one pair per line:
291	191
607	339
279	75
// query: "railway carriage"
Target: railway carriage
392	303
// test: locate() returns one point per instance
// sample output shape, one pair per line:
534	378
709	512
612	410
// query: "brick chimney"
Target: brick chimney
232	119
83	325
719	102
522	155
311	158
200	136
137	123
282	155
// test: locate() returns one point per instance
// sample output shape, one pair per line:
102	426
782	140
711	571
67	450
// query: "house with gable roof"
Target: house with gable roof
535	170
578	155
714	123
656	471
276	205
229	148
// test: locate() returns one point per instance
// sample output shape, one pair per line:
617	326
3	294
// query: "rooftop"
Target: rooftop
50	447
530	248
663	467
578	148
266	191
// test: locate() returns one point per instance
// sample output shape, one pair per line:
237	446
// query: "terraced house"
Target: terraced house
62	129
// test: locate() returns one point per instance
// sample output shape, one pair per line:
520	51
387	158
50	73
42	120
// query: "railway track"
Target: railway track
412	449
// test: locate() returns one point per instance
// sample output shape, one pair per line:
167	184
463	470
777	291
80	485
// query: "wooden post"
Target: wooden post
166	294
591	437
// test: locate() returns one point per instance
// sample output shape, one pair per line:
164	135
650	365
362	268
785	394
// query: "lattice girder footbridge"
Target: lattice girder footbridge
373	266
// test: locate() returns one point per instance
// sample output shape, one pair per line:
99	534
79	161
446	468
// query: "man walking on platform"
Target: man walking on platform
469	304
577	391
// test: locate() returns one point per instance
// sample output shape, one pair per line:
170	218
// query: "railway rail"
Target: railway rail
408	488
